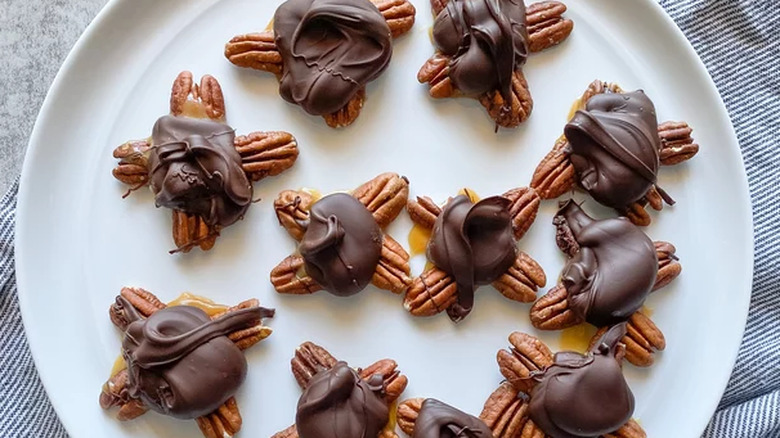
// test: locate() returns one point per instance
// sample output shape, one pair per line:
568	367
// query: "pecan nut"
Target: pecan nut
546	26
399	15
642	340
292	210
384	196
676	143
206	99
523	209
552	312
506	414
430	293
669	266
555	174
436	73
133	167
637	213
522	280
142	300
423	212
407	413
289	277
266	153
510	114
190	230
225	422
346	115
526	356
564	237
392	272
394	382
255	50
309	360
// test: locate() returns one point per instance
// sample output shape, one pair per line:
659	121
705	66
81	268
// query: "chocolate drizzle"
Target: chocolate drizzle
440	420
615	269
487	40
337	403
330	50
475	244
614	148
583	396
342	244
180	362
195	168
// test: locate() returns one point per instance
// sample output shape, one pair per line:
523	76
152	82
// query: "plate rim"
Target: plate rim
34	144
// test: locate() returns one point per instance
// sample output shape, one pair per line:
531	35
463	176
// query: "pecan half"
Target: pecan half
394	382
522	281
552	312
546	26
642	340
384	196
190	231
632	429
142	300
564	237
206	97
114	394
637	213
436	73
266	153
506	414
676	143
292	210
346	115
526	356
423	211
392	272
669	266
555	174
399	15
225	422
407	413
289	277
430	293
654	199
255	50
133	167
523	209
510	114
309	360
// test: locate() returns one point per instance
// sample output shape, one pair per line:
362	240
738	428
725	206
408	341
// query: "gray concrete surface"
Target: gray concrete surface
35	37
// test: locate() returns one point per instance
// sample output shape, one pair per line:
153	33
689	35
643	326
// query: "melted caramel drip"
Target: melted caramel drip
314	193
471	194
119	365
647	311
576	338
194	109
418	240
575	106
210	307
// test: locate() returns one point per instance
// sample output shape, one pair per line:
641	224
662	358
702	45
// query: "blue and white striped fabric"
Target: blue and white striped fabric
739	42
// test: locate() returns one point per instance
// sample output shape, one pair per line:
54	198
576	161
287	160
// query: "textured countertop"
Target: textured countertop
35	37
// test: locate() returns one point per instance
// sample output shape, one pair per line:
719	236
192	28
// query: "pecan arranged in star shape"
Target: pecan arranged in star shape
437	290
509	103
341	238
671	145
193	170
264	51
312	361
606	280
224	422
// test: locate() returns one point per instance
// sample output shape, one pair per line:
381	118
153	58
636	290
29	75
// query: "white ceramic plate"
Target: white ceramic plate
78	241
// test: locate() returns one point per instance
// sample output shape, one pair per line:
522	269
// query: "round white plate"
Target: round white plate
78	242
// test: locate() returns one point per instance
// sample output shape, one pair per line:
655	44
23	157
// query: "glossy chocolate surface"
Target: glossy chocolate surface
342	244
614	147
475	244
615	269
440	420
337	403
330	50
194	167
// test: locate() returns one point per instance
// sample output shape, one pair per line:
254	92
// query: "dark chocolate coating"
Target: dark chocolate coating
440	420
615	269
194	167
487	40
614	147
181	363
342	244
337	403
475	244
583	396
330	50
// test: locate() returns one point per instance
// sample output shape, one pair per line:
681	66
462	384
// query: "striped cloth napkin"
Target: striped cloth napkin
738	41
